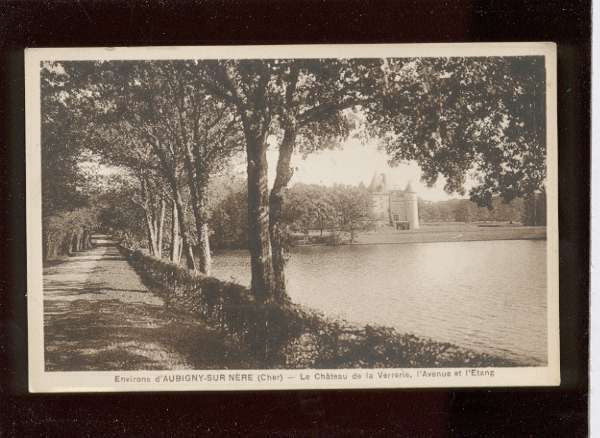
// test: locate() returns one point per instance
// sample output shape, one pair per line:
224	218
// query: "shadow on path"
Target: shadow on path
99	316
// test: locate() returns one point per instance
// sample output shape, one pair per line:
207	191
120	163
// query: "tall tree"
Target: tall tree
206	130
451	115
298	104
351	206
244	85
313	96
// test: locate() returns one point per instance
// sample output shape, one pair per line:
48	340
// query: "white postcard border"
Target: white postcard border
184	380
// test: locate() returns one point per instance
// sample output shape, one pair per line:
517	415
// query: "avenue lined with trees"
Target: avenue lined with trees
168	131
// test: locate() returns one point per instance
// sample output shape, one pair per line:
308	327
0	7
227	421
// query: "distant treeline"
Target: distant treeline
325	210
531	211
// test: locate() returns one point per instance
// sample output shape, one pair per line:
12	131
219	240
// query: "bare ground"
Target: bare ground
99	316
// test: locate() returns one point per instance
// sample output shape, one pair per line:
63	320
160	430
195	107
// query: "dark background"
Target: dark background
497	412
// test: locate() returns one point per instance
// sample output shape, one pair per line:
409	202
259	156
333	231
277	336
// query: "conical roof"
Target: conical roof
378	183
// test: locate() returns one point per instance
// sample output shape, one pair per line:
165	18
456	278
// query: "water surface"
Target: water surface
489	296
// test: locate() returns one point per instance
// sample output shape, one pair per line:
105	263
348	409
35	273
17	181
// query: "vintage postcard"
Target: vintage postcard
292	217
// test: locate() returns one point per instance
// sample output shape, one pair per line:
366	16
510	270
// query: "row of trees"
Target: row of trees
67	216
305	207
173	125
530	211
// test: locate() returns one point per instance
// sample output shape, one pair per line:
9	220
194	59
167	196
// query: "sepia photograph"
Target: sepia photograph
300	217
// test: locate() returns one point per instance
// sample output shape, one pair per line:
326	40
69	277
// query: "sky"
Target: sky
350	164
354	163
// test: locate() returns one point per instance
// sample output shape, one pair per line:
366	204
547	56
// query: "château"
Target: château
395	207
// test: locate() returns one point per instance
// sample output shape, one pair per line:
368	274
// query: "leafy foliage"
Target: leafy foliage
60	146
459	115
464	210
229	219
306	207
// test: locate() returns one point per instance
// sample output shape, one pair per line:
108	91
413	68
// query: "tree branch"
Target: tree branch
329	108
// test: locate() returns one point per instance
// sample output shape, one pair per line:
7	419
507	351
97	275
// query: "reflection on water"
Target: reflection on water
489	296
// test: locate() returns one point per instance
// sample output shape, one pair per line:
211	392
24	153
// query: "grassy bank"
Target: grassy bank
429	233
291	336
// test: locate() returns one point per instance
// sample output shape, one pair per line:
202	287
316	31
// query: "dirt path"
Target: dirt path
99	316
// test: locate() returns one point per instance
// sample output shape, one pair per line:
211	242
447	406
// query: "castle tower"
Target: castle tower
379	197
412	207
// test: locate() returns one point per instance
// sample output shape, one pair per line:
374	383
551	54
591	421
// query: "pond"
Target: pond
489	296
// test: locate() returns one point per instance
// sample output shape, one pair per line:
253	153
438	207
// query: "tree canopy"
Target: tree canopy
174	124
455	116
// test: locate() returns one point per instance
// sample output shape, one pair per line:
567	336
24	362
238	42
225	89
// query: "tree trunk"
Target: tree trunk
151	219
77	241
151	234
80	240
65	246
198	194
276	226
187	246
282	178
175	253
198	182
85	240
179	250
204	257
73	243
259	242
170	173
52	246
161	225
